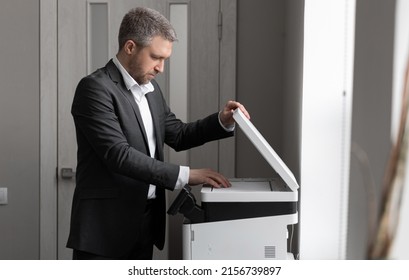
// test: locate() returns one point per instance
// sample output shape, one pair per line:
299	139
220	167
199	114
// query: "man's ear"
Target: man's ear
130	47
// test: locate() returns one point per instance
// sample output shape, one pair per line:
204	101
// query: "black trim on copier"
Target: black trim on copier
222	211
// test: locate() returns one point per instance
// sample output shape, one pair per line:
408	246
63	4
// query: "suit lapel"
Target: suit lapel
118	80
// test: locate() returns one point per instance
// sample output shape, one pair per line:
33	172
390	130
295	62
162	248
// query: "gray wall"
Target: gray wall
292	88
371	117
260	72
19	127
269	80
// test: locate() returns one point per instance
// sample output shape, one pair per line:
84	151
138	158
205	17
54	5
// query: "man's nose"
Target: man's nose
160	66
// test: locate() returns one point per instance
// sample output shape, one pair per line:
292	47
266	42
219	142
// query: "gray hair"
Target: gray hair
142	24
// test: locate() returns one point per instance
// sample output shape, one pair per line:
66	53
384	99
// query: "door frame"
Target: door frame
49	114
48	129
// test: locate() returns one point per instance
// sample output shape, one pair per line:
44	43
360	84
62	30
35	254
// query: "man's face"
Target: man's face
145	63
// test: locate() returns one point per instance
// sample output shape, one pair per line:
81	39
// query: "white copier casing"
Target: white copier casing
249	220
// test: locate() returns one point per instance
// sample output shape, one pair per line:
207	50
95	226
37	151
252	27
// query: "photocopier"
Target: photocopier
249	220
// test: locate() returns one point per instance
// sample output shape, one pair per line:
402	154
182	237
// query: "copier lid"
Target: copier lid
265	149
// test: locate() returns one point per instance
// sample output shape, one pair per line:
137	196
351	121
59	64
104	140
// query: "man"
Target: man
122	123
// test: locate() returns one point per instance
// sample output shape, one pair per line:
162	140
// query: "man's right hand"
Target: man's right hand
209	177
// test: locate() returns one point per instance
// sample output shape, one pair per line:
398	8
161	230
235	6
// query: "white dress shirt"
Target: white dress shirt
139	92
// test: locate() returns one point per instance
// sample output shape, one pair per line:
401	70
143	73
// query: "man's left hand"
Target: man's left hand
226	115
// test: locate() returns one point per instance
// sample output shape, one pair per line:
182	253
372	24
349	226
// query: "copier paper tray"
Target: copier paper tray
247	198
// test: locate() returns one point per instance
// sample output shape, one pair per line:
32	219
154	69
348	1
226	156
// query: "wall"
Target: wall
269	81
260	64
292	88
371	117
19	126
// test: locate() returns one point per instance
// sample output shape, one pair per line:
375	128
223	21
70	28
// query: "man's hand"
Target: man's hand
208	176
226	115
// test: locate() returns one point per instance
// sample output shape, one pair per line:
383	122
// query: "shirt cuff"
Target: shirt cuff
183	178
229	128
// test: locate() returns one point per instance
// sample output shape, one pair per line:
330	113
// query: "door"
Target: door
195	82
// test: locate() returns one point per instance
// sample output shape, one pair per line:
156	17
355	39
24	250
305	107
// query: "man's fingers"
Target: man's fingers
208	176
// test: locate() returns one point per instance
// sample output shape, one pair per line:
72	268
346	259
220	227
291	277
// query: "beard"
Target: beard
142	80
142	77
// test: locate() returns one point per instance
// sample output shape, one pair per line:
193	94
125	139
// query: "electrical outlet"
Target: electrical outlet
3	196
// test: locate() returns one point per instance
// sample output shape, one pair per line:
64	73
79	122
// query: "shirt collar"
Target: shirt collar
130	83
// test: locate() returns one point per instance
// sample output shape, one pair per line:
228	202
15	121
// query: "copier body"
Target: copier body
249	220
241	222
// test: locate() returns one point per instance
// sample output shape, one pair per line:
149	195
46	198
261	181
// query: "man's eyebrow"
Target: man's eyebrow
158	56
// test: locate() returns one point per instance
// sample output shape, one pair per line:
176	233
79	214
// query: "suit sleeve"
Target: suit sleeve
181	136
98	126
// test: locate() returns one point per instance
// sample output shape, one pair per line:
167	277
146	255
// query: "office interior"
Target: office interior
323	81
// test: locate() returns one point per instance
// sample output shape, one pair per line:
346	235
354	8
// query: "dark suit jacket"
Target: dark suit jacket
114	170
